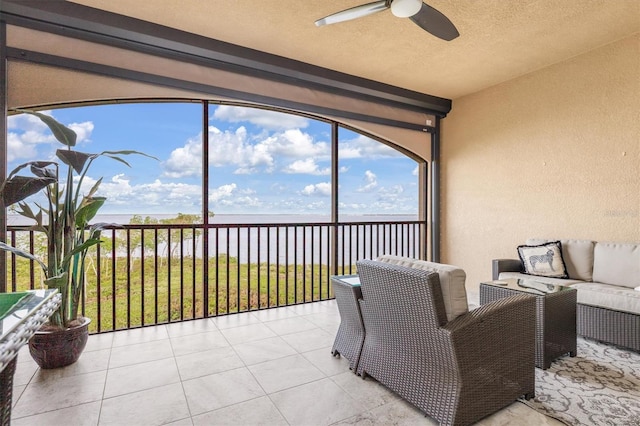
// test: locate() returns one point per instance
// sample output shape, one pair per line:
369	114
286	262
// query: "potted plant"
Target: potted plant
64	219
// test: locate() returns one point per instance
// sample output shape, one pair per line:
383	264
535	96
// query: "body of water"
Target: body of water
284	244
17	220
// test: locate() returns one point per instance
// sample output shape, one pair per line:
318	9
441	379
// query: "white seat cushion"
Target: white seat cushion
452	281
608	296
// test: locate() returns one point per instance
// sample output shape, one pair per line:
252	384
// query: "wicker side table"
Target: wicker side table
555	315
350	337
17	327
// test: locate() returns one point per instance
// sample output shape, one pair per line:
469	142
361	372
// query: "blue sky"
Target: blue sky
260	162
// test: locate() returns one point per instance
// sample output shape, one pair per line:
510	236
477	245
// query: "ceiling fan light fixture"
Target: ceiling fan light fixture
405	8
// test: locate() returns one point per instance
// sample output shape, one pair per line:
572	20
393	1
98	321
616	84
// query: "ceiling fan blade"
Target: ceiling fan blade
434	22
353	13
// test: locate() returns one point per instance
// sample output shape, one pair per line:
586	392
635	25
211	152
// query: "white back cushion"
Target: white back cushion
617	263
451	277
577	256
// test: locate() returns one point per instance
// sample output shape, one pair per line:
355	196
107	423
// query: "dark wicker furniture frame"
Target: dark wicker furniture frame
602	324
555	320
350	336
16	338
6	391
456	372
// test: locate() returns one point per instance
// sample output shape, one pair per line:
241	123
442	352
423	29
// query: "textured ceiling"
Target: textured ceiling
499	39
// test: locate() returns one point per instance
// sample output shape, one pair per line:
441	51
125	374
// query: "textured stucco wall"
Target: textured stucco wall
553	154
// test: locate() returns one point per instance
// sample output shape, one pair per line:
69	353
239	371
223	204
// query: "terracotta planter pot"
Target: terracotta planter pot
54	349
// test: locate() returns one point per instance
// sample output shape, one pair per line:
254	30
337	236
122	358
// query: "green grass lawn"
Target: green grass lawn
158	291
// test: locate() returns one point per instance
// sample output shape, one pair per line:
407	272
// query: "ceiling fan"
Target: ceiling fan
423	15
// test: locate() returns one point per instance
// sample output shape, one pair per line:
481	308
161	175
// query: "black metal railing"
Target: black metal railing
153	274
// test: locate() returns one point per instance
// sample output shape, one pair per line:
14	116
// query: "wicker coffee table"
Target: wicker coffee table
350	337
555	314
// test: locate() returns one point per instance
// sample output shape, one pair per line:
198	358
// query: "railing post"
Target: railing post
423	212
435	193
205	212
3	148
333	267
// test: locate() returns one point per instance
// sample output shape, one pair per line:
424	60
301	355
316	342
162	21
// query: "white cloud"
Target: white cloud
83	131
185	161
29	133
371	182
415	171
394	199
320	189
222	192
249	153
264	118
294	143
364	147
242	203
19	149
234	148
231	199
394	190
245	171
159	195
354	206
87	184
307	166
278	187
27	122
280	146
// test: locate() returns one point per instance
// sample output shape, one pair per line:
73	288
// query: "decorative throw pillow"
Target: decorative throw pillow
544	260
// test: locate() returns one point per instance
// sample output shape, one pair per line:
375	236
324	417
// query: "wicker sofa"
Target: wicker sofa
456	370
607	277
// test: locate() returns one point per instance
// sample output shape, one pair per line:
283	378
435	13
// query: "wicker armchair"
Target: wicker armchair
458	371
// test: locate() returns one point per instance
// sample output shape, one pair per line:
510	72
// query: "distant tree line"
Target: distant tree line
170	241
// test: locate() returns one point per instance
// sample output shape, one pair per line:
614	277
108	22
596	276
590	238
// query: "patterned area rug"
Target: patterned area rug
600	386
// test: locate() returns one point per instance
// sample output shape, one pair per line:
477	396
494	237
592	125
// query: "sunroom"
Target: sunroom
526	125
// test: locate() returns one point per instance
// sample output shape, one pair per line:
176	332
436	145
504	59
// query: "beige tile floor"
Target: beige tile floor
270	367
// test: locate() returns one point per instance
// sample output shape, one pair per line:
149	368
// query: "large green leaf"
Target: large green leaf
115	155
32	164
77	250
17	169
88	210
59	282
22	253
127	152
74	159
95	230
25	210
62	133
44	169
18	188
94	188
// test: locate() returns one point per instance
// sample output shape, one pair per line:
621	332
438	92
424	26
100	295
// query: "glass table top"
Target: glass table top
353	280
17	307
529	286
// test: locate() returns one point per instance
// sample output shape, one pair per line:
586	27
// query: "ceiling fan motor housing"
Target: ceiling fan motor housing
405	8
